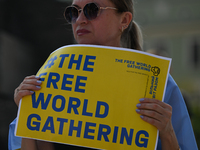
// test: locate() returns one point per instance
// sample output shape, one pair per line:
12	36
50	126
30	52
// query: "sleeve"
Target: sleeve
180	117
14	142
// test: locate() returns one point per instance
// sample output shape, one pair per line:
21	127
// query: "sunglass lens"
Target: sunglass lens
71	14
91	11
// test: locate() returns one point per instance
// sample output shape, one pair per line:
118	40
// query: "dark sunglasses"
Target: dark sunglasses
91	11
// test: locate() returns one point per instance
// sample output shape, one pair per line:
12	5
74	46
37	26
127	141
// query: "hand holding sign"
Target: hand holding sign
156	113
29	84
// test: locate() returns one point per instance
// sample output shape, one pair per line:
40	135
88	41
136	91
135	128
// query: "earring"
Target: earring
124	27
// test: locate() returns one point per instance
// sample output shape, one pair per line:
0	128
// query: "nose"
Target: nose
81	18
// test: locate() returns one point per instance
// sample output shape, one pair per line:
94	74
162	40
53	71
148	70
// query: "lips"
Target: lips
82	32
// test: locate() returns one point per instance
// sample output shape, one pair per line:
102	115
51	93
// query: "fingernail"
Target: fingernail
138	105
38	81
32	91
137	110
142	117
38	87
37	77
142	99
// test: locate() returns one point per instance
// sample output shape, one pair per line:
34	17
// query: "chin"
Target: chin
87	42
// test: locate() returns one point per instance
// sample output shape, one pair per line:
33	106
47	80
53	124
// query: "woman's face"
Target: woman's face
103	30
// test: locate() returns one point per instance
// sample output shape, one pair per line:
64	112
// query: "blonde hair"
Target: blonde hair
131	36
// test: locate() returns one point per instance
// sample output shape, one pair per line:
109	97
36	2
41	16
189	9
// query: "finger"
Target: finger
21	93
160	125
151	114
29	87
148	100
165	112
29	84
32	77
34	81
151	106
152	121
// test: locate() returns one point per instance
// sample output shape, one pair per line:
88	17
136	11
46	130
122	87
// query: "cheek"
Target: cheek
74	30
106	29
102	27
110	24
99	32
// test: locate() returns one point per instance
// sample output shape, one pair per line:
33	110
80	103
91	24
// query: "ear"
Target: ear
126	18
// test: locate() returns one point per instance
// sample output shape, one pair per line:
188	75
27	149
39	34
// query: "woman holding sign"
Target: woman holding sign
110	23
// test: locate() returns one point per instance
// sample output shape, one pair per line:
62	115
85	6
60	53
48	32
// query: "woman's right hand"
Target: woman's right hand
27	87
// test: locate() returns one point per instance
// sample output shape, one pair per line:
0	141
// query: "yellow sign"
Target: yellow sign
89	95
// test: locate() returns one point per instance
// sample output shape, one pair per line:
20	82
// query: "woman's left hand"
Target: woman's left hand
156	113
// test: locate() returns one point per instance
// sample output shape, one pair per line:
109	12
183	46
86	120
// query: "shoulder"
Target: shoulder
180	117
173	97
171	84
172	90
